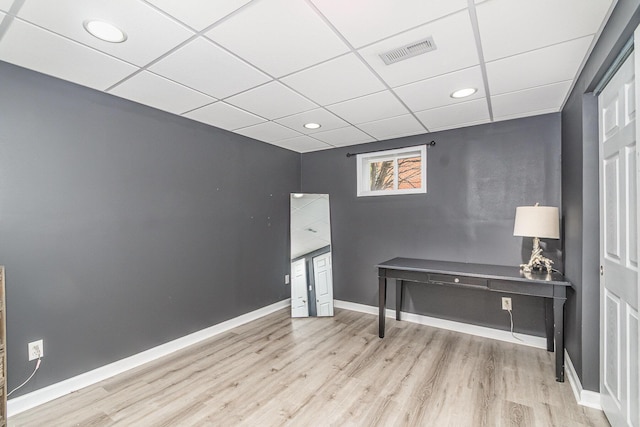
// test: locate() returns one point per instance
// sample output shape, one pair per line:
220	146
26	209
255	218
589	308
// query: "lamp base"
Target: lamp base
537	261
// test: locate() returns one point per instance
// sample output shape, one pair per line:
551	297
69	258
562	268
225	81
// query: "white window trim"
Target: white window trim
363	172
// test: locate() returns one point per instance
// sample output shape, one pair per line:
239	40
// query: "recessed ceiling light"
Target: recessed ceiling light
298	195
312	125
105	31
463	93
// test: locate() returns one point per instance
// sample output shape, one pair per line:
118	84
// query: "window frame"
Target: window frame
363	177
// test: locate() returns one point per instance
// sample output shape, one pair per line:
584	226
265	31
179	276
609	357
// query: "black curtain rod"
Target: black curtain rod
430	144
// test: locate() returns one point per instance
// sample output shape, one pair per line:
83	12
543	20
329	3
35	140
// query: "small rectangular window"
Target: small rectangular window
401	171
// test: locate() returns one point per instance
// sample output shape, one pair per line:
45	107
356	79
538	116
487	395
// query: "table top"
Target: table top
486	271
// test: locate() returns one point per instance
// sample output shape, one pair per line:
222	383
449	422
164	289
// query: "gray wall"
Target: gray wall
476	178
123	227
580	195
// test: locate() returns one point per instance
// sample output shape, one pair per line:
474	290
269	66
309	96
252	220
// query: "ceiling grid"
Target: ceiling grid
265	68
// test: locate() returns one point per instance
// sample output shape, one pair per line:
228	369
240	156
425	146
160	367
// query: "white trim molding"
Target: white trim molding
465	328
587	398
49	393
365	160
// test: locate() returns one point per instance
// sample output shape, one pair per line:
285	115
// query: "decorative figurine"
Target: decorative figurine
537	261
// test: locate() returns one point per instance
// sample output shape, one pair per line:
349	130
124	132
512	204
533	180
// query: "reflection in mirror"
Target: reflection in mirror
311	274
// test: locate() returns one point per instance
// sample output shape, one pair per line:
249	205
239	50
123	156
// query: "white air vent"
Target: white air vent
408	51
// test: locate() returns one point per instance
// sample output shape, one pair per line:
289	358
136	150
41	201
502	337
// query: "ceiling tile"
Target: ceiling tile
224	116
199	14
37	49
461	125
394	127
272	101
343	136
456	49
531	100
158	92
539	67
5	5
321	116
268	132
150	33
298	203
337	80
320	229
509	27
436	92
312	213
303	242
279	36
366	21
455	115
381	105
302	144
210	69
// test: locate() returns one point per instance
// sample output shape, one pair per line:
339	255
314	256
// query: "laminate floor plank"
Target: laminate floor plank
278	371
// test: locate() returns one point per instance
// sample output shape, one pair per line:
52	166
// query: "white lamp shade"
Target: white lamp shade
537	221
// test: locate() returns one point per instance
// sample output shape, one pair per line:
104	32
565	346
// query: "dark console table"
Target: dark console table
493	278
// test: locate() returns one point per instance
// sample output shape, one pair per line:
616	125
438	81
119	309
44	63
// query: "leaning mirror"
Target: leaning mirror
311	274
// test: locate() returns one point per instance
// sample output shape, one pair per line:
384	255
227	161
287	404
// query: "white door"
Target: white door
619	379
299	303
324	284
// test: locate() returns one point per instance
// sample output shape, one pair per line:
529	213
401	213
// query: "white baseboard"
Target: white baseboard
583	397
466	328
46	394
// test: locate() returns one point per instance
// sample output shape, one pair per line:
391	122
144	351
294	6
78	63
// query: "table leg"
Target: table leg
382	300
558	317
548	321
399	295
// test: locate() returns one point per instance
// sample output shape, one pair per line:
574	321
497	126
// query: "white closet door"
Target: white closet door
619	248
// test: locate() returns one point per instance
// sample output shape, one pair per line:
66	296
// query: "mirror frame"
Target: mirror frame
312	265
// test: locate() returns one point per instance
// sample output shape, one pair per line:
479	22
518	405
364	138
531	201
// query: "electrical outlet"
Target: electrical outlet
506	303
286	279
36	350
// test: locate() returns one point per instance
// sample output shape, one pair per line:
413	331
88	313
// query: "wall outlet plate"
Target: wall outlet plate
506	303
286	279
36	350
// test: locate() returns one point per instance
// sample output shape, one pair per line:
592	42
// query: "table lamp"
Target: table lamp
537	221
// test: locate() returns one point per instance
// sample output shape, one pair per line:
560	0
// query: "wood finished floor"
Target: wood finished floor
330	371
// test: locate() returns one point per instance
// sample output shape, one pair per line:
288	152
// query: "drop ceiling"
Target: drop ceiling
310	228
264	68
